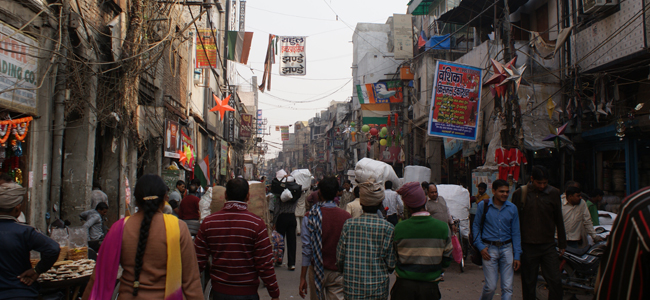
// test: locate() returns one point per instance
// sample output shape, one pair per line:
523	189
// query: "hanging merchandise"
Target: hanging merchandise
17	148
365	128
19	127
502	158
517	158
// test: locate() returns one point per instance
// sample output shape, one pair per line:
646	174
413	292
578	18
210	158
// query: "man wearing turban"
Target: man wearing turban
17	241
423	246
365	252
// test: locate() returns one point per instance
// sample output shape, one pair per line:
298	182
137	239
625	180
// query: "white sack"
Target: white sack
457	198
417	174
204	204
303	177
286	195
280	174
381	172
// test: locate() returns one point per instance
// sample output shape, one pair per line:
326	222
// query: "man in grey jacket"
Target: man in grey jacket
94	219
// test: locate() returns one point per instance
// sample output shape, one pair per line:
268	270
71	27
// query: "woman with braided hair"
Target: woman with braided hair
154	249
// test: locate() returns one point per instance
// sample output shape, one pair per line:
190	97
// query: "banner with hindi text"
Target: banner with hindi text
455	101
292	56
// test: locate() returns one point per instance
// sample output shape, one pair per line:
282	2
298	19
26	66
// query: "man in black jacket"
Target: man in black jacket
540	214
16	273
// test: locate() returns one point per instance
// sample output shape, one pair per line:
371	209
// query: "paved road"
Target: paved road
457	286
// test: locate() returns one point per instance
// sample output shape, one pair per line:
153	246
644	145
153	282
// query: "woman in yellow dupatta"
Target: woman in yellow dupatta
155	250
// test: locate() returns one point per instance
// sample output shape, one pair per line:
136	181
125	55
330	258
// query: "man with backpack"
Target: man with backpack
498	238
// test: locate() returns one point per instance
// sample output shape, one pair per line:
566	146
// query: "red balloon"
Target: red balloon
374	131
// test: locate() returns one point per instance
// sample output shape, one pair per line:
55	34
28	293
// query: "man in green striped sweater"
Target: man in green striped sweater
423	246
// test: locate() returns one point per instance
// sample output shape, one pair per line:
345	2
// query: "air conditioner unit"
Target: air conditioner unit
592	6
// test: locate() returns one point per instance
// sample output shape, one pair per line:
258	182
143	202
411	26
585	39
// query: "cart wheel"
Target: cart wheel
462	265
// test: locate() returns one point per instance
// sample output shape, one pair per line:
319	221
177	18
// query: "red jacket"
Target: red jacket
240	248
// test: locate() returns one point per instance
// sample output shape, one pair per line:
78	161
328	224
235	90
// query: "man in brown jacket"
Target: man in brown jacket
540	214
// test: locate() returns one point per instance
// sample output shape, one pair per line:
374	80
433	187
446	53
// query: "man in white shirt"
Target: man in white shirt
354	207
393	202
577	219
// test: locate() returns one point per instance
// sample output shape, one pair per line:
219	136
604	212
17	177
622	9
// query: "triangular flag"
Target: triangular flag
550	108
222	106
421	40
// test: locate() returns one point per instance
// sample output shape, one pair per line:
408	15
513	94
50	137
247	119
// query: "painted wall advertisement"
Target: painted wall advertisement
172	139
224	158
292	56
284	132
18	69
246	125
206	50
455	101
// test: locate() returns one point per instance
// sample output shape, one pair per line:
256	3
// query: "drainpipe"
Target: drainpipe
58	126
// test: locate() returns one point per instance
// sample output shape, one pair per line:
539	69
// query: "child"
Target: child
278	247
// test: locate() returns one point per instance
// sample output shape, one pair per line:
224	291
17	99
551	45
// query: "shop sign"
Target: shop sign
172	140
284	130
188	149
18	70
246	125
260	122
224	157
339	143
206	50
292	56
455	101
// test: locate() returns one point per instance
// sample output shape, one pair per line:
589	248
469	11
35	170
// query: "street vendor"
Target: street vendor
16	273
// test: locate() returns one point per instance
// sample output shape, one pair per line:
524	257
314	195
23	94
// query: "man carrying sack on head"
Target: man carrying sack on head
16	273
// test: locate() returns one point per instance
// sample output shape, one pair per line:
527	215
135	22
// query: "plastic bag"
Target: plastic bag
78	243
205	202
60	235
457	253
286	195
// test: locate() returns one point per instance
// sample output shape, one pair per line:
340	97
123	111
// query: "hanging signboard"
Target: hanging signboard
284	132
224	157
455	101
18	69
403	36
242	15
246	125
380	92
260	122
206	50
172	139
292	56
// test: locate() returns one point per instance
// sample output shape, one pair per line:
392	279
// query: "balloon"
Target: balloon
383	142
365	128
374	131
384	131
352	124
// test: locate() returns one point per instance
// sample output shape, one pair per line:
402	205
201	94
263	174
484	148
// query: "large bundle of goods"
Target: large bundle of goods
457	198
372	170
417	174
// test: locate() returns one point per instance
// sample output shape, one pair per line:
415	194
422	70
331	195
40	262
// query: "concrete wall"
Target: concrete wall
628	41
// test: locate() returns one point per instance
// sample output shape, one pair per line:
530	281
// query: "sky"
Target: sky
328	26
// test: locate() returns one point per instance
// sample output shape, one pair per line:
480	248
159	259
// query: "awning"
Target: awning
419	7
468	9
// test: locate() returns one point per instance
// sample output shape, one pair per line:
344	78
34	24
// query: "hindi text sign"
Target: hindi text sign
455	101
292	56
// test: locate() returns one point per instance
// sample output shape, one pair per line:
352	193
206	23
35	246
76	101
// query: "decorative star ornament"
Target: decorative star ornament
514	76
222	106
608	107
550	108
182	157
500	74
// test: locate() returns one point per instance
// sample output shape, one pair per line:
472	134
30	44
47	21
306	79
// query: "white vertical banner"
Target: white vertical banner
293	61
242	15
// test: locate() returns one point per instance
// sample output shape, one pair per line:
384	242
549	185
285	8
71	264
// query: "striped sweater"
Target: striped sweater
423	248
240	248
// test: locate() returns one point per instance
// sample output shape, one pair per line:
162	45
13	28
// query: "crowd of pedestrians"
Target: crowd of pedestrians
348	252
